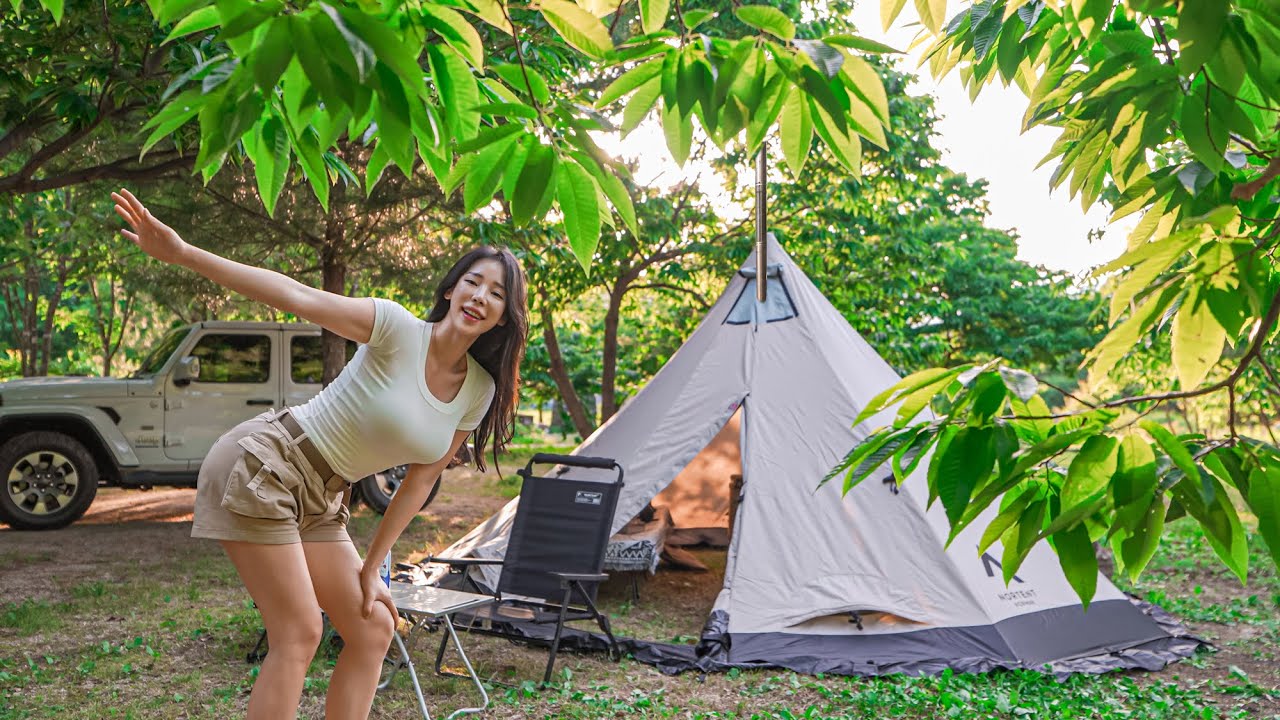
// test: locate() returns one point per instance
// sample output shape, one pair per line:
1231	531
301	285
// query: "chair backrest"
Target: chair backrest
561	525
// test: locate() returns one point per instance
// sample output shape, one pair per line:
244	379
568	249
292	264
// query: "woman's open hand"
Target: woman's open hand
152	236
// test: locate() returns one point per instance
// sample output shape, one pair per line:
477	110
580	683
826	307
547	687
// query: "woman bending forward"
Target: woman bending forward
270	490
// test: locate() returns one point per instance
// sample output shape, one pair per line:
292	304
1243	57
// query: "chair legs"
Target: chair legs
615	652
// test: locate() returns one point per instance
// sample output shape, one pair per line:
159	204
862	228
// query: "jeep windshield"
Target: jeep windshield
160	353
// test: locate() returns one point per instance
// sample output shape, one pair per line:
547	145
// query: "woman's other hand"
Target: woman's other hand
375	591
152	236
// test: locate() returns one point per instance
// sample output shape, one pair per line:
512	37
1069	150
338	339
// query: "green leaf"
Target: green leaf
55	8
967	459
613	189
864	82
275	145
1031	457
1011	509
1172	447
1124	336
377	164
490	135
768	19
456	31
642	101
795	129
1136	548
198	21
272	56
486	174
1219	519
679	133
1197	341
388	47
986	397
393	117
578	196
1019	382
1078	561
905	386
578	27
507	110
933	13
1021	537
361	55
1089	473
889	11
238	23
491	12
653	14
630	80
1199	32
881	451
458	92
857	42
763	119
846	149
314	61
1264	501
694	18
177	113
534	183
525	81
1134	484
1031	430
312	161
820	89
1202	129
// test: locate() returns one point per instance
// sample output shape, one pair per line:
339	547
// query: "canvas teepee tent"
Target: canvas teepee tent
817	582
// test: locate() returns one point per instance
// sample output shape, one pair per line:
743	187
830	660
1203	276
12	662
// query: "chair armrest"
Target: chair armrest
580	577
462	562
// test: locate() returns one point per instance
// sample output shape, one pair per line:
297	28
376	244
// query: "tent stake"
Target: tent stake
762	261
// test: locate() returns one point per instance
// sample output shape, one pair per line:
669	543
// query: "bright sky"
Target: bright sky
980	139
983	140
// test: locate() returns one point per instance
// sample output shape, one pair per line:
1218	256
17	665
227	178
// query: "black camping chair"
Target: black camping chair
555	554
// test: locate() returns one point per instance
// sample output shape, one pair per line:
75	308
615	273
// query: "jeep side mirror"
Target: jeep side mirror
188	369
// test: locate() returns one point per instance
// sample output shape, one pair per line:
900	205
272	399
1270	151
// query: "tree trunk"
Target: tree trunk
560	373
111	321
46	329
609	373
28	341
333	273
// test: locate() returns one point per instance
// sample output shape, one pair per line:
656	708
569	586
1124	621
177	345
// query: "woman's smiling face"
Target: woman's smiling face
478	303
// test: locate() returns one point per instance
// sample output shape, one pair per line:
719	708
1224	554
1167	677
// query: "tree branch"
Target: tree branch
1246	191
20	132
1255	348
118	170
702	300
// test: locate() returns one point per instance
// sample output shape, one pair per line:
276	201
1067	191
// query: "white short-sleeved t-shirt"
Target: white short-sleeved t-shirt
379	413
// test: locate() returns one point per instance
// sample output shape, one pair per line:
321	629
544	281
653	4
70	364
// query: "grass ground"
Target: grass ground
124	616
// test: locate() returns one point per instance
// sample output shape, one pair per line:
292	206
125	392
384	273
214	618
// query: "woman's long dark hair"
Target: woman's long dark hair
499	351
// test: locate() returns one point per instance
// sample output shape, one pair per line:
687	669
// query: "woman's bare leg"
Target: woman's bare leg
279	582
335	573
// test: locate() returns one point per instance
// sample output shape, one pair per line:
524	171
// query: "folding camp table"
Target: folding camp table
427	606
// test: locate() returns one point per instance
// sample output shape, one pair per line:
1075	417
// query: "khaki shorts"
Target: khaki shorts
256	486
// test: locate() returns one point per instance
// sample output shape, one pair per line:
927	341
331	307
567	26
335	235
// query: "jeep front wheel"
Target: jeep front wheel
49	481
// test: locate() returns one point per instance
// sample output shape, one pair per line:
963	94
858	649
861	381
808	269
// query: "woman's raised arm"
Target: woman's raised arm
352	318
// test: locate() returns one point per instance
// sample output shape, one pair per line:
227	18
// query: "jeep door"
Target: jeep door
236	381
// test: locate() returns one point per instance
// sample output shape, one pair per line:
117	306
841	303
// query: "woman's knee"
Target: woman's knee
298	637
374	632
